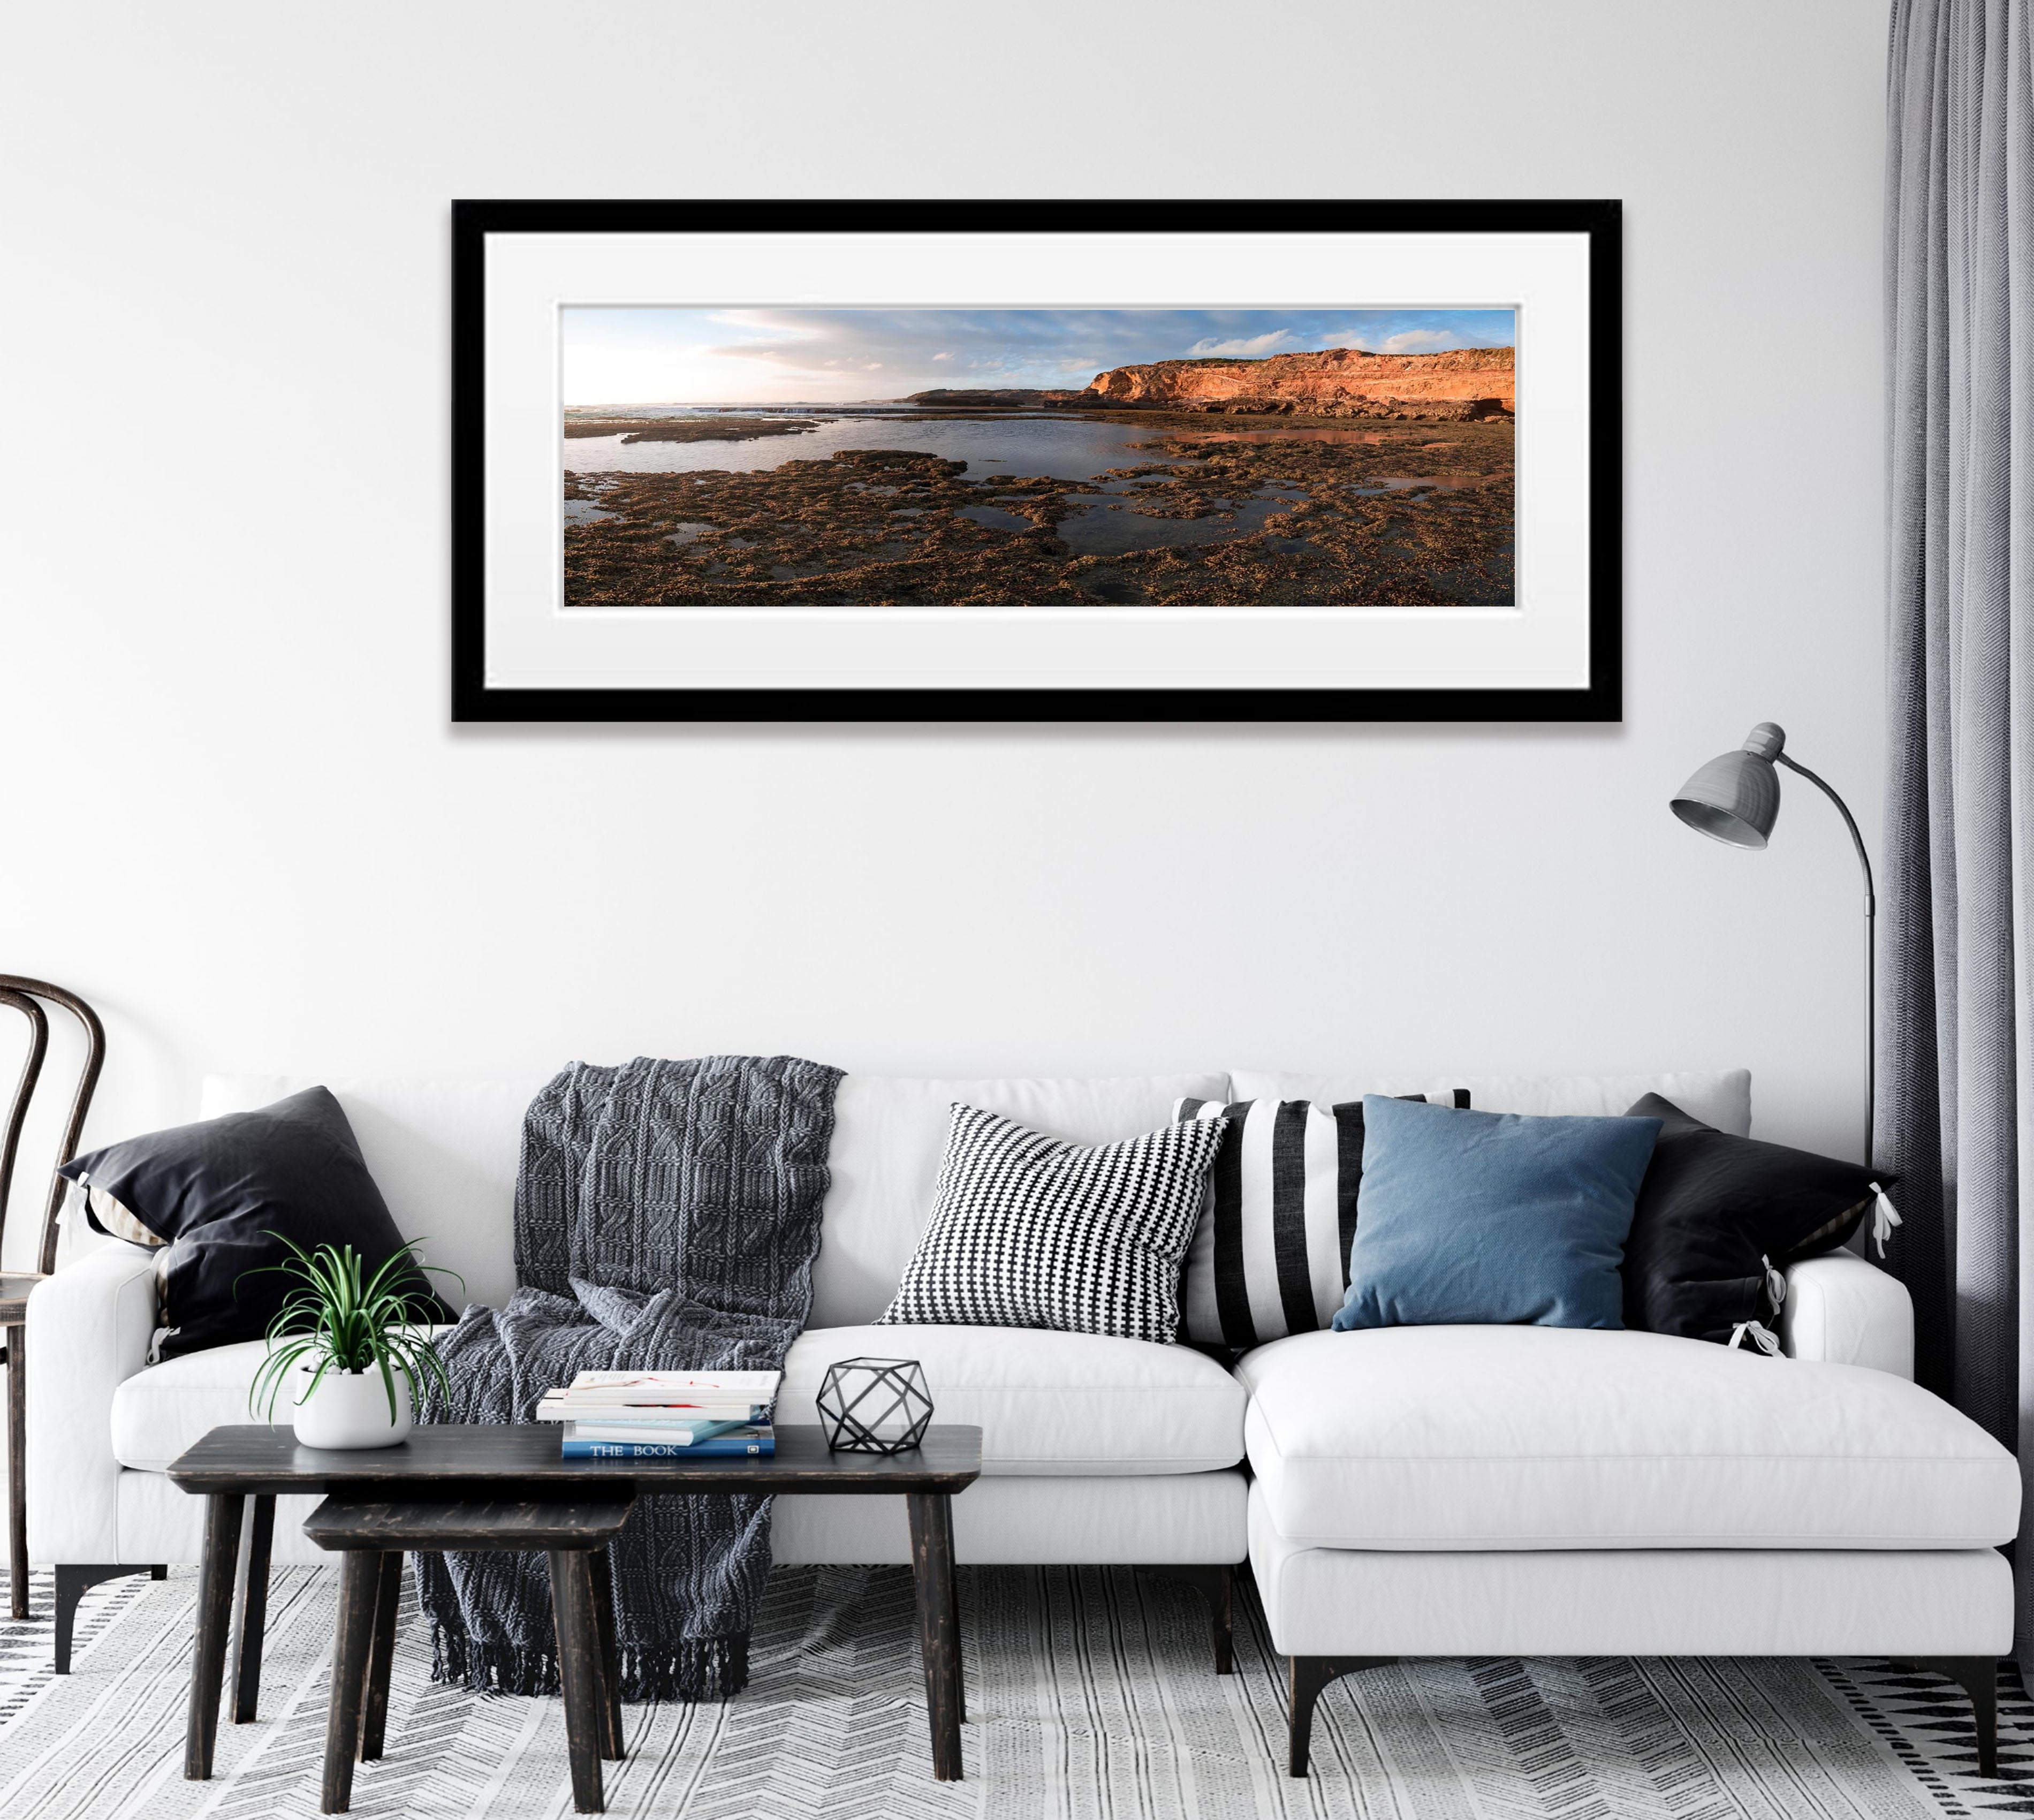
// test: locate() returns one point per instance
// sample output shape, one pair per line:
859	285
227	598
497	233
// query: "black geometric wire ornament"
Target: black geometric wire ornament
875	1405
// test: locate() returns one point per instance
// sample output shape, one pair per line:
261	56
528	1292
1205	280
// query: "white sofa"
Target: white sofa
1095	1449
1438	1491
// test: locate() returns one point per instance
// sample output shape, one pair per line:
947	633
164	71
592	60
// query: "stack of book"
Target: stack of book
664	1415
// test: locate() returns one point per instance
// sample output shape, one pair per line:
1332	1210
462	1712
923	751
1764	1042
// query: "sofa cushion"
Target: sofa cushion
1269	1254
1719	1217
1467	1217
1575	1437
442	1152
1028	1231
242	1199
1048	1404
161	1411
158	1412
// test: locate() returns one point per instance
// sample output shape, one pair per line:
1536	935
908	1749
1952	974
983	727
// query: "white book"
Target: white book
556	1406
677	1386
653	1415
629	1431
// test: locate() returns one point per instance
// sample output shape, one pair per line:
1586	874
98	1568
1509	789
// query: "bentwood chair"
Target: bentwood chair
24	996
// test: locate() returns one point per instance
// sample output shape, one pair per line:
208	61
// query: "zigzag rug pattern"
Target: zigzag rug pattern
1089	1696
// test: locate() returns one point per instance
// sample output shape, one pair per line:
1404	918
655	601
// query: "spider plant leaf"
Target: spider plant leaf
387	1382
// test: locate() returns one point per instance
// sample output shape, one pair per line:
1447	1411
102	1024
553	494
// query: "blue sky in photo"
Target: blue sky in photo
626	354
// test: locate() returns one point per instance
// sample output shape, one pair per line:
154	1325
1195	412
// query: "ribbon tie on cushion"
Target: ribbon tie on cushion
1760	1335
1884	1217
1776	1285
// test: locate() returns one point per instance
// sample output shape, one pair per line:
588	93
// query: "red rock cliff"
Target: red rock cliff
1336	382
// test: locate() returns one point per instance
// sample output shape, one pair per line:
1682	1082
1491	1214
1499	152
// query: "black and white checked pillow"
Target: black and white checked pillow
1269	1254
1028	1231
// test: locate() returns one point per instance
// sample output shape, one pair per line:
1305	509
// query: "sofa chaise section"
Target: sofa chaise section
1547	1491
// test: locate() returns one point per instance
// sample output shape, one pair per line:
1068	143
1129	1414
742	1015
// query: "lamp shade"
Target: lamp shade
1736	798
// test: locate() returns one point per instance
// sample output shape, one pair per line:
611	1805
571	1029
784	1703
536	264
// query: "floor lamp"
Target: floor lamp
1736	798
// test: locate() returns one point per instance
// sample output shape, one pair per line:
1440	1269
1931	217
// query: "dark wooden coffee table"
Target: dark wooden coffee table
452	1463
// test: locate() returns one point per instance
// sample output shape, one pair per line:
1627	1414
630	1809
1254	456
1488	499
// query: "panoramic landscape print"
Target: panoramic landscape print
766	457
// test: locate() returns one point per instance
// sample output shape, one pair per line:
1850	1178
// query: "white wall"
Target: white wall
233	813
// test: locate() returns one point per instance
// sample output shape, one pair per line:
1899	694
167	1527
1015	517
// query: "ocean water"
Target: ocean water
1066	449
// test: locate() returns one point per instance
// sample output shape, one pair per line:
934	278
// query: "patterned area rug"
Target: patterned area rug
1089	1696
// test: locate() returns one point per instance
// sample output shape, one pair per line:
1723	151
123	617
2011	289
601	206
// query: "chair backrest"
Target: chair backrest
24	995
24	1091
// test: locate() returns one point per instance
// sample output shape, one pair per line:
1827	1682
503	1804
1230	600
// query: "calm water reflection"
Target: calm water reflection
999	449
1109	528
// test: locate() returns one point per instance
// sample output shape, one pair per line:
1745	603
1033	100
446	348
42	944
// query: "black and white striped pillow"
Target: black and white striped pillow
1269	1254
1028	1231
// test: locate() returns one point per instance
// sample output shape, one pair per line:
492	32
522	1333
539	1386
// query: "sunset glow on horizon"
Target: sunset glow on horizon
616	355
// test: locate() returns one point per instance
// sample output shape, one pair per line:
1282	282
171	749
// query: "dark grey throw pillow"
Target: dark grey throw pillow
219	1192
1719	1216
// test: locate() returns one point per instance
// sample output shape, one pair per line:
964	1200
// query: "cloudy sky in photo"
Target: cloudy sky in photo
618	355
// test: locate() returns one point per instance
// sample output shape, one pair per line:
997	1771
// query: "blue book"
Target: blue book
722	1445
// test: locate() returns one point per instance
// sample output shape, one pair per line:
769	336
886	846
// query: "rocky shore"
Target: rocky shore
1005	398
687	429
1401	516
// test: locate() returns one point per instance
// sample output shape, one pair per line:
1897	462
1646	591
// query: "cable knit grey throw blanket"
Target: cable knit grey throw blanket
667	1214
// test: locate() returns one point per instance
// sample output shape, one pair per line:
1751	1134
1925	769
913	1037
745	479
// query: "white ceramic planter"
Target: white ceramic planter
348	1409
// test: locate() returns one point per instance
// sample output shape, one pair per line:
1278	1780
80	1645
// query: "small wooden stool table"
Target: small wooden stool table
372	1539
452	1474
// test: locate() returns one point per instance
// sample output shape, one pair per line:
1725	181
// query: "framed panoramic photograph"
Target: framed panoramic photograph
1036	461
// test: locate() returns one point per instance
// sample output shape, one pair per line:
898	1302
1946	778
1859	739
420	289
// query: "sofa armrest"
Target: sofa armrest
1842	1311
89	1327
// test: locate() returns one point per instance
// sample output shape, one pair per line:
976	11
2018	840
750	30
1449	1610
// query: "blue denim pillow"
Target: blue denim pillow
1490	1219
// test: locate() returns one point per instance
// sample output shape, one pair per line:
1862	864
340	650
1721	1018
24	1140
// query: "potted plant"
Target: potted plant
349	1351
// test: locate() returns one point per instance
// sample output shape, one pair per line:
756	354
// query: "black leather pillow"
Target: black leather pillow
220	1190
1714	1210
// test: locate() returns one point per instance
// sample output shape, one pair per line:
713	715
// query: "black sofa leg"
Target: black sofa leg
72	1583
1217	1585
1306	1676
1978	1676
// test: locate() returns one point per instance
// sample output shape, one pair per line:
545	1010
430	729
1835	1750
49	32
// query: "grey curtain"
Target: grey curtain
1956	1112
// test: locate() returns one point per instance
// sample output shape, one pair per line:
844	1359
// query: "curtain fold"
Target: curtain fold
1956	1063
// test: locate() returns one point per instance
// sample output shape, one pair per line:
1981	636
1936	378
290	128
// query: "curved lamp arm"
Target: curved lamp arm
1843	809
1870	949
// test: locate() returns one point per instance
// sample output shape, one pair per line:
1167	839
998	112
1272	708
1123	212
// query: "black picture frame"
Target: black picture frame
473	700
